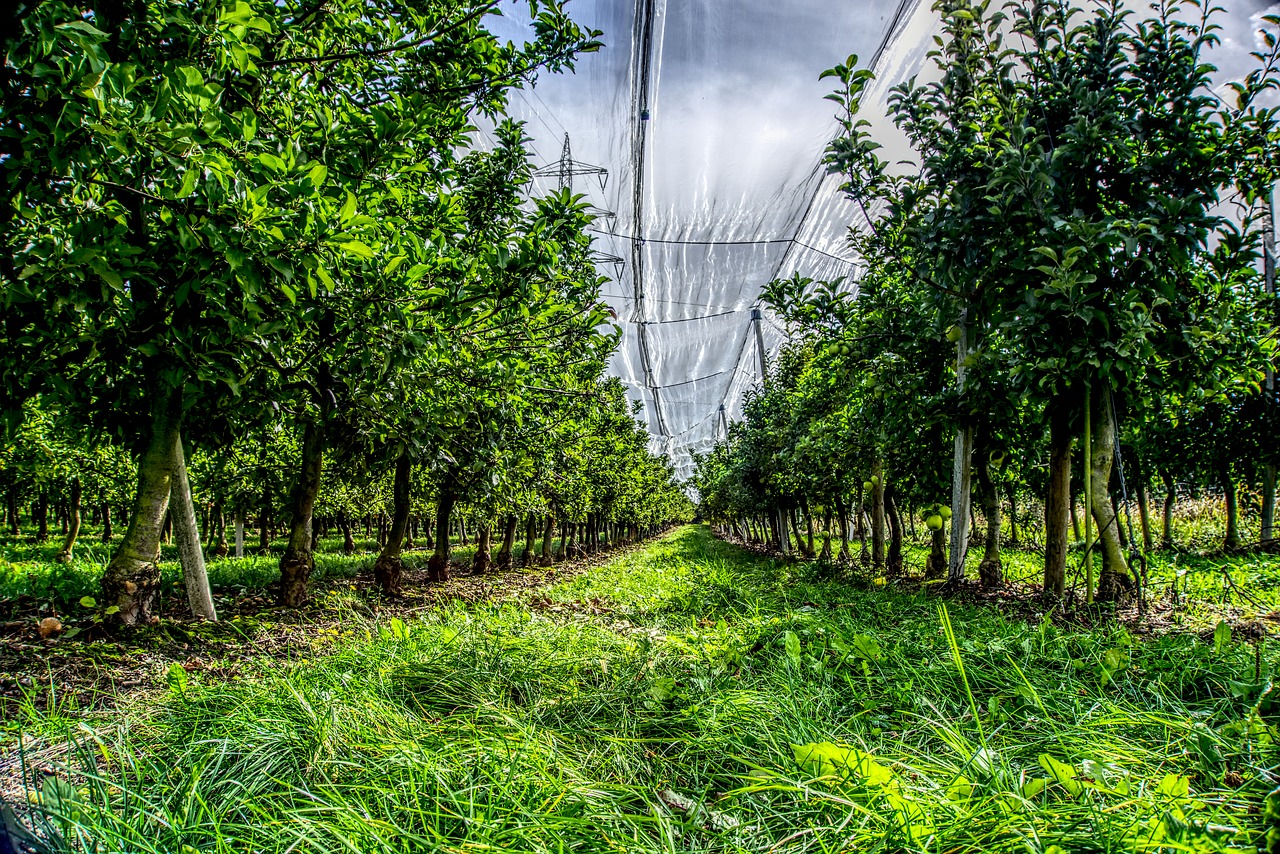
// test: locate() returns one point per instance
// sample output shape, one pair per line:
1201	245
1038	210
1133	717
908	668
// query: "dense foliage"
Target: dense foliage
1075	253
269	240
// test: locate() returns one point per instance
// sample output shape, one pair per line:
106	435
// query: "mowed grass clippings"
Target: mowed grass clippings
692	697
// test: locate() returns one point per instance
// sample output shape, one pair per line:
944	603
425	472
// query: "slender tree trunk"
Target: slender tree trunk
264	519
482	560
1170	499
936	566
1114	582
548	532
1144	514
462	531
183	512
132	579
298	561
842	517
348	539
1011	495
893	565
877	514
42	517
510	524
438	565
1058	500
1231	541
825	554
106	522
15	521
73	523
388	569
220	518
530	539
1075	521
961	465
990	571
1268	503
808	527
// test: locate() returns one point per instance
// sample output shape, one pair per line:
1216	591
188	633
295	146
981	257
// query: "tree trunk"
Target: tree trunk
106	522
264	519
548	532
877	514
990	571
564	534
348	539
808	528
1170	498
825	554
961	463
132	579
239	543
73	523
842	516
1114	582
893	565
1011	495
1144	515
220	519
508	541
15	521
1075	521
1268	503
462	531
936	567
298	561
530	539
1058	500
1231	541
388	569
482	560
438	565
42	517
194	577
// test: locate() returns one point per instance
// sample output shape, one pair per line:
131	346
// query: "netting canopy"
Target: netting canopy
697	134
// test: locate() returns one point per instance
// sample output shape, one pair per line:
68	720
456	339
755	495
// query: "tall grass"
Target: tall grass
689	697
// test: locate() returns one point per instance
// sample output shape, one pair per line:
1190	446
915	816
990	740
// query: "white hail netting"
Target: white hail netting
697	133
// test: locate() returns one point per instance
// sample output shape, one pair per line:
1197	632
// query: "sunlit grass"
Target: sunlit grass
689	697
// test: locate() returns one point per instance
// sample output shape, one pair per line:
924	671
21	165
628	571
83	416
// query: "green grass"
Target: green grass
691	697
29	570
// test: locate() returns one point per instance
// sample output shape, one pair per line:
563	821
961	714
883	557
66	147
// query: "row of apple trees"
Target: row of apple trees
1075	270
263	251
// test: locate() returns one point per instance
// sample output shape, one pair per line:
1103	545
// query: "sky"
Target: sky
713	172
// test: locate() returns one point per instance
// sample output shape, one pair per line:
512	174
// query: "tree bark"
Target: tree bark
438	565
843	521
1011	495
73	523
1170	498
106	522
877	514
936	566
132	579
1114	582
15	521
893	565
530	539
1144	514
194	576
239	553
298	561
990	570
483	559
220	519
511	523
1058	500
348	540
388	569
42	517
264	519
1268	503
548	532
1231	541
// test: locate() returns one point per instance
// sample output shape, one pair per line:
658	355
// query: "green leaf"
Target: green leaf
111	609
84	27
791	642
354	247
348	207
176	677
88	602
1221	637
189	179
1061	773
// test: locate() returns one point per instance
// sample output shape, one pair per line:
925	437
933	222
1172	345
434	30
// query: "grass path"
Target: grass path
691	697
